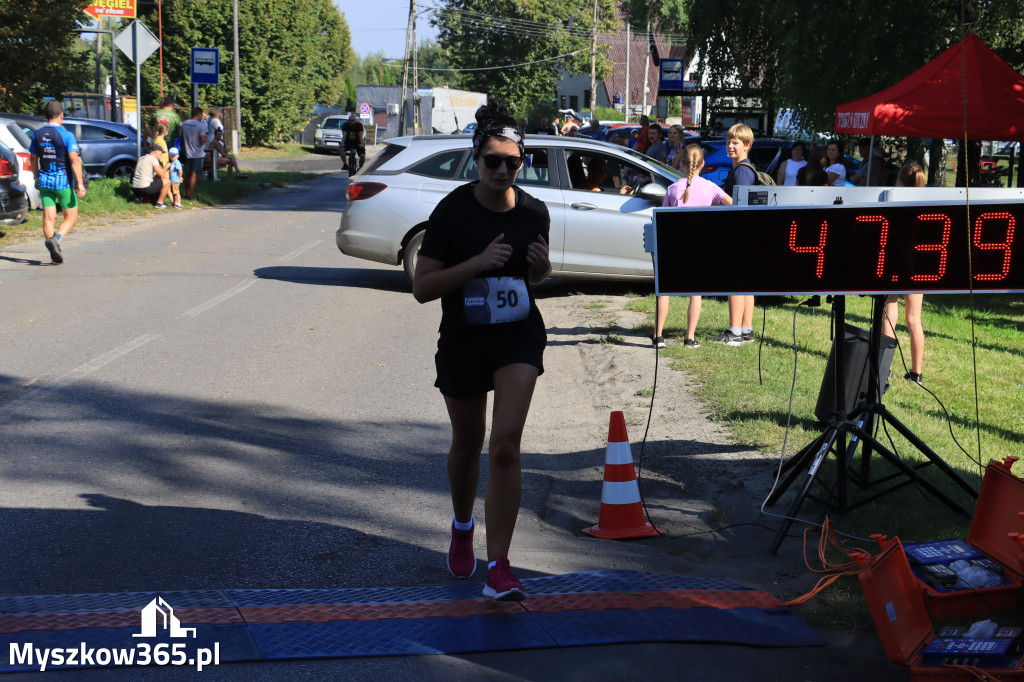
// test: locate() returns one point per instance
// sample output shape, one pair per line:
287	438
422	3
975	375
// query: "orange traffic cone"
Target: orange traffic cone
622	514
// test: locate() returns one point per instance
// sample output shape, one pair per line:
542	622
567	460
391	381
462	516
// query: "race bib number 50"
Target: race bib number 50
494	300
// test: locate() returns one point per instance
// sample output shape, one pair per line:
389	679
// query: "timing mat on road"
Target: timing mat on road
578	609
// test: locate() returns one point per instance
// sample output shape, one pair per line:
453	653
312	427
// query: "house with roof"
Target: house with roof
632	84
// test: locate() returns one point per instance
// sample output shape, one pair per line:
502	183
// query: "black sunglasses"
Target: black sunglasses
512	163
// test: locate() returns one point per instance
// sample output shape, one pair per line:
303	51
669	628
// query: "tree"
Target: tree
350	94
811	59
293	53
37	39
379	70
517	50
435	68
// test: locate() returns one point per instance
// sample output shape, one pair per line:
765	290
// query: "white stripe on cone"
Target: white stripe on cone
624	492
618	453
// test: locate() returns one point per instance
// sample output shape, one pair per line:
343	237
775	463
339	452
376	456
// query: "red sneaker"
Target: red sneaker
501	584
461	560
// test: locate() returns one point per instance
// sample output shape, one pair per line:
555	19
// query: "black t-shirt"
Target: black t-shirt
741	174
460	228
353	132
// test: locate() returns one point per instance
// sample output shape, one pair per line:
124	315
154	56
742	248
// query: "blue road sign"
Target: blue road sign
205	65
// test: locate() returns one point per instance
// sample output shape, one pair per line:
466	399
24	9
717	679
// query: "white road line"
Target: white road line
217	300
41	393
301	250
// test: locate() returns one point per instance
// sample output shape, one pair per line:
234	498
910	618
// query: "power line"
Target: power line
508	66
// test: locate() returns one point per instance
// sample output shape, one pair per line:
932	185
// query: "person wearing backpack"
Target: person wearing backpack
738	141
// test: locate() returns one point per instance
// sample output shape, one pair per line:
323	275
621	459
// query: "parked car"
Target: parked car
594	234
14	137
107	148
328	135
28	123
13	197
470	128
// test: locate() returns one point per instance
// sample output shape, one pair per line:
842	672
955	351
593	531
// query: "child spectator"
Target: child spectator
911	175
692	190
738	141
159	140
175	168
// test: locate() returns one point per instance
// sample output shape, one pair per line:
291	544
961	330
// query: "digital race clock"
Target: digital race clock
852	249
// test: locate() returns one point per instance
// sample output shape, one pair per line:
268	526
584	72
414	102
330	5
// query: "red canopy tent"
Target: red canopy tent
930	101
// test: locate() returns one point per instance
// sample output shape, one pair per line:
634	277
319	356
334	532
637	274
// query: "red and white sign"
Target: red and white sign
121	9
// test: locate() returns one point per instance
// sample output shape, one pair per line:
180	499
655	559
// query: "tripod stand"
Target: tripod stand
858	424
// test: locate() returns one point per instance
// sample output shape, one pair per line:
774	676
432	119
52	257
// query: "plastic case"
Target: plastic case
897	606
997	518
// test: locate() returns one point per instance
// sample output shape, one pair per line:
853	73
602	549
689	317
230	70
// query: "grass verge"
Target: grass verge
110	200
973	364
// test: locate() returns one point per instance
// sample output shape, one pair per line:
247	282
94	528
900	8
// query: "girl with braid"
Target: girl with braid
692	190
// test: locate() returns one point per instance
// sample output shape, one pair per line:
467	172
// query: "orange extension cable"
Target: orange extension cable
833	572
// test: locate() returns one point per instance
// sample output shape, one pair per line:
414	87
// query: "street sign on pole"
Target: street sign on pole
205	65
138	43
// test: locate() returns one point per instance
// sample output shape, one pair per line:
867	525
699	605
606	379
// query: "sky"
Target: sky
380	25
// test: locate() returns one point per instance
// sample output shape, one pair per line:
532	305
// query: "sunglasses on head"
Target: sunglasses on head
512	163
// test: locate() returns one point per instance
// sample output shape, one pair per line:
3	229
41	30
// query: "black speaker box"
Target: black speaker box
855	372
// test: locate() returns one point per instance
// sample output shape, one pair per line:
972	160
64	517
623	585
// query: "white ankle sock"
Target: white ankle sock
736	331
492	565
464	526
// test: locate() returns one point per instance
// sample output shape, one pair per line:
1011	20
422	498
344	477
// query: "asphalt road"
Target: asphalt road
218	398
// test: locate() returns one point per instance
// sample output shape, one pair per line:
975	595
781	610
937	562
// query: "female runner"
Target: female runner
484	247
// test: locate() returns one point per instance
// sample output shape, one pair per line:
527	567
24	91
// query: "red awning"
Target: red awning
930	101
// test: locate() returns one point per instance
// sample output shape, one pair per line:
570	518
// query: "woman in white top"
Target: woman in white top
834	163
213	124
790	167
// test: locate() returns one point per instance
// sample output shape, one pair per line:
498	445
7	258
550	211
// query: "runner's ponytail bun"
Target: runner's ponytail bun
494	120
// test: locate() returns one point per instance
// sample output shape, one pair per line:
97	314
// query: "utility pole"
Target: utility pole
647	62
593	68
405	68
629	45
99	56
415	73
236	136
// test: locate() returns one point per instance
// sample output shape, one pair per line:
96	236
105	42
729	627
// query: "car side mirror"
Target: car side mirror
652	191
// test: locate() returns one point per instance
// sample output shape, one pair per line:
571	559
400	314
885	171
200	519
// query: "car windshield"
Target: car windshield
19	134
333	124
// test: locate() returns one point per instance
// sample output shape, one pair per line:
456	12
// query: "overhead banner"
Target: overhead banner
118	9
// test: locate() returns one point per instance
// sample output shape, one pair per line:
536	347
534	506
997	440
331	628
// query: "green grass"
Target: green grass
756	410
111	200
281	151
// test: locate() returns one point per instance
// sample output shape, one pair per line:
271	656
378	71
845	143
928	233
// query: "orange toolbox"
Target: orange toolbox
996	535
898	609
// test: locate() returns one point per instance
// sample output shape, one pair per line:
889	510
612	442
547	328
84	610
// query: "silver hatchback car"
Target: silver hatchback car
599	196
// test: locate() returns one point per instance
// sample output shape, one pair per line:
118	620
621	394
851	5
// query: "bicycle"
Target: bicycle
353	160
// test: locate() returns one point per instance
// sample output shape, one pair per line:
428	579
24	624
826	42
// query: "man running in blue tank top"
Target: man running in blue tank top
56	165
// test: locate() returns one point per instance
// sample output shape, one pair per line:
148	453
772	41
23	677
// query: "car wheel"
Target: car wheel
411	255
121	170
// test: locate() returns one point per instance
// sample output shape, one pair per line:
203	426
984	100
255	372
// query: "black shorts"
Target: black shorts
466	363
151	191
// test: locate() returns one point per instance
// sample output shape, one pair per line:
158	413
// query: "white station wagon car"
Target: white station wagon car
594	233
